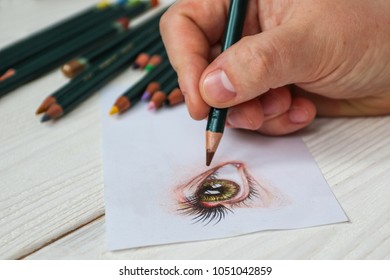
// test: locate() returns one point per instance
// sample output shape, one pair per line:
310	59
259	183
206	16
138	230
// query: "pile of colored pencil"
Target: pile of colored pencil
93	47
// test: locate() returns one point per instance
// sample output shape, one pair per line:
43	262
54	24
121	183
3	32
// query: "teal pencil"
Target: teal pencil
29	49
93	80
76	66
55	57
217	117
129	98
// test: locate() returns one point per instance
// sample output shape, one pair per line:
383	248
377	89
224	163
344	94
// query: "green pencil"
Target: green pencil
217	117
157	83
16	56
42	36
101	63
57	56
161	95
134	93
94	79
77	65
143	58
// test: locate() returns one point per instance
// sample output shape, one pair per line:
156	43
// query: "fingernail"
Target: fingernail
298	115
218	87
238	120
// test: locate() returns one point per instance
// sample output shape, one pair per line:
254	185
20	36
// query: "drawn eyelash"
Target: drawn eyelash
209	198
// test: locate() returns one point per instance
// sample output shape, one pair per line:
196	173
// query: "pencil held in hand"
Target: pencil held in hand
217	117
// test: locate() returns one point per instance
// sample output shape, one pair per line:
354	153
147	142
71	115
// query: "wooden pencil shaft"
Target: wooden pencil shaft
233	33
39	46
56	57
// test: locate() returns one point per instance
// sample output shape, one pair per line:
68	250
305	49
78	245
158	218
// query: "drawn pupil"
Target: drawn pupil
217	190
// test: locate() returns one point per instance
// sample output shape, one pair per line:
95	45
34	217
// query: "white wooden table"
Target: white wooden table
51	185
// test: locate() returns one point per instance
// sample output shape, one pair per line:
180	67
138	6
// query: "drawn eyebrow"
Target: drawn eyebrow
212	195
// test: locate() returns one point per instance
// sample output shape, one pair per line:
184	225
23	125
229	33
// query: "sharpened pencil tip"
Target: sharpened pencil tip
114	110
152	106
145	96
149	68
40	110
45	118
209	157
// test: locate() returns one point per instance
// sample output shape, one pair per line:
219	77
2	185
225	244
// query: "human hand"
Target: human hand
298	59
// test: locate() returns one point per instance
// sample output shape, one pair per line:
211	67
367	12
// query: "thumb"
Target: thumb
255	64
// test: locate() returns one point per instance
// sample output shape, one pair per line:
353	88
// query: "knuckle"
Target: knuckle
263	60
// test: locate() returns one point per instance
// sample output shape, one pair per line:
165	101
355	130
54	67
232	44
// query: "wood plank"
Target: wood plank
355	159
50	174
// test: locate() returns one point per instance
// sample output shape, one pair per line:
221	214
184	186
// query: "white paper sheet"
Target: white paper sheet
150	158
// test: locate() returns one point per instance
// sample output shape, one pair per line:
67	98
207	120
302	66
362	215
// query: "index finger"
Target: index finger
189	29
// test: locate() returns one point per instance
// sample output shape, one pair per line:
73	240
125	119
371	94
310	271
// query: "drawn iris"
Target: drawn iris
217	190
210	196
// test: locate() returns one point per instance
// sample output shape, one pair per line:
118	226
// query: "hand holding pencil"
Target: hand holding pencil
296	60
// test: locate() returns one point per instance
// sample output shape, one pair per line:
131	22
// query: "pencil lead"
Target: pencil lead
7	74
123	22
175	97
209	157
45	118
103	4
121	2
153	62
151	106
145	96
212	141
141	61
150	89
45	105
41	109
154	3
114	110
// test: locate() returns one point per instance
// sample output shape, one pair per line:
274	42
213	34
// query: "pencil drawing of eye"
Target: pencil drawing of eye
212	195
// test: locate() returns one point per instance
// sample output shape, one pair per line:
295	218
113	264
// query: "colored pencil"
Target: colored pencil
76	66
154	60
98	67
217	117
143	58
134	93
57	56
24	52
43	35
156	84
94	79
160	96
174	98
